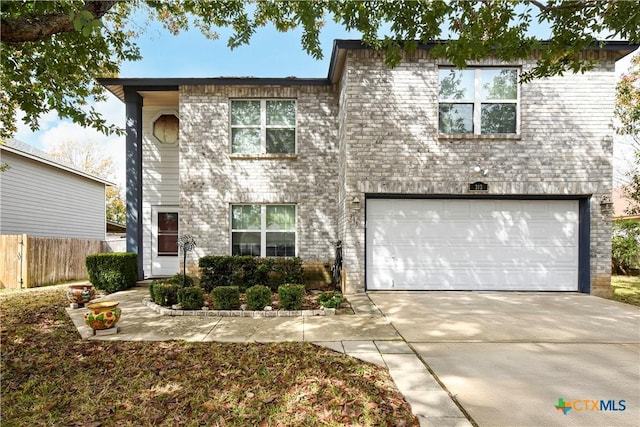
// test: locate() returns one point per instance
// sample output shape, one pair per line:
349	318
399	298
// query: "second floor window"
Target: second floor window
478	101
260	126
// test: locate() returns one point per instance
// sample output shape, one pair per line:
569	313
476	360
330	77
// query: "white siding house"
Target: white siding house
42	197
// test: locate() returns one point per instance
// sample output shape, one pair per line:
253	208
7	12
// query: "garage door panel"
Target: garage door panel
472	244
524	279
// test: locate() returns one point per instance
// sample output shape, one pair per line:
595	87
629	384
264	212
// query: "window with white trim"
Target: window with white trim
263	230
478	101
260	126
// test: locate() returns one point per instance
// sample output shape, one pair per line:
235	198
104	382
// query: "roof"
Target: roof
25	150
117	85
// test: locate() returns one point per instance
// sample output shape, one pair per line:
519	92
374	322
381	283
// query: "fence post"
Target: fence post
23	254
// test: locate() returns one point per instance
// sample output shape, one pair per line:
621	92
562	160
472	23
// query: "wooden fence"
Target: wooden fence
28	262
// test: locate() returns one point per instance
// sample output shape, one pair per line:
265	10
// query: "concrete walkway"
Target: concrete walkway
366	335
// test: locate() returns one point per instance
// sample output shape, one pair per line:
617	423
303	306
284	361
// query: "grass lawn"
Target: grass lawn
51	377
626	289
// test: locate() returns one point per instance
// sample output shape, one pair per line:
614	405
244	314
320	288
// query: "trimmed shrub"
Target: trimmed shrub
258	297
114	271
226	298
164	293
330	299
274	272
176	279
291	296
247	271
191	297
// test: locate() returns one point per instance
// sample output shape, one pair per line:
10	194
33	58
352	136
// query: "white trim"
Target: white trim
477	100
263	126
263	226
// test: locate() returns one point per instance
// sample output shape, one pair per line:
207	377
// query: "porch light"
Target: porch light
355	203
606	202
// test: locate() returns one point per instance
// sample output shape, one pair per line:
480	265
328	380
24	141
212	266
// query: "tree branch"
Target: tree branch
35	28
546	9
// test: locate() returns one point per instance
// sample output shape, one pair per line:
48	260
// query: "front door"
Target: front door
164	241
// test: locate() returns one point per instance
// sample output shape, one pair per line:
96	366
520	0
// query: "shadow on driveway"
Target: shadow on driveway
507	357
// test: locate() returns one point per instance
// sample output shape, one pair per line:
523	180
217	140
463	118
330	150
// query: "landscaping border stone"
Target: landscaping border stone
236	313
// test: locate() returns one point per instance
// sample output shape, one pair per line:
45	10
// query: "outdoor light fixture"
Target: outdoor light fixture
356	203
479	169
606	202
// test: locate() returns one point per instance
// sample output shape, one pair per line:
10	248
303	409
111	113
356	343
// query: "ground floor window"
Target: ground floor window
263	230
167	233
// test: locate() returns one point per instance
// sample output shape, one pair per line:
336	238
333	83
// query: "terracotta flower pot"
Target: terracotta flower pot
102	315
80	294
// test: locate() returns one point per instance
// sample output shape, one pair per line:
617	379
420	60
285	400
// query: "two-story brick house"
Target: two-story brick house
433	178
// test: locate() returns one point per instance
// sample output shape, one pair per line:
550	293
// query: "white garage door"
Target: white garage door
472	244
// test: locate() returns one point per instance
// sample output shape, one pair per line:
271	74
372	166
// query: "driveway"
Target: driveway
508	357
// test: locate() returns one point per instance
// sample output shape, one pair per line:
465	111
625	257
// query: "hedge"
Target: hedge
247	271
113	271
164	293
226	298
291	296
191	297
258	297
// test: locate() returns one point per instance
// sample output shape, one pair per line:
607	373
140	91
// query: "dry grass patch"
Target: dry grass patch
51	377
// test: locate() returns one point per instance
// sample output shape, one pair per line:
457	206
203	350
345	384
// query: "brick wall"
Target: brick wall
391	145
211	179
376	132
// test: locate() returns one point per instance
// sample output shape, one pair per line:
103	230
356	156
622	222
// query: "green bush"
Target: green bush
191	297
258	297
113	271
176	279
330	299
291	296
226	298
247	271
164	293
625	249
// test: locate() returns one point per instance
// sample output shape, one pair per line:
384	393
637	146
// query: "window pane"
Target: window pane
499	84
281	113
455	118
281	141
281	244
245	217
245	141
498	118
245	243
168	245
456	84
167	221
245	113
281	217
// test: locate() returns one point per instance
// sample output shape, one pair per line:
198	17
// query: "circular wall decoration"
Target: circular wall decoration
166	128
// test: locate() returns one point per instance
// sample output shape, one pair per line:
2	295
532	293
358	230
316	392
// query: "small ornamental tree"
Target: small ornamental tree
625	246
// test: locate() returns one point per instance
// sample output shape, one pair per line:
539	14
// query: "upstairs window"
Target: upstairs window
478	101
263	126
263	230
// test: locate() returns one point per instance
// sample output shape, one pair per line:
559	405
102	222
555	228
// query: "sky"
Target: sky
270	54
